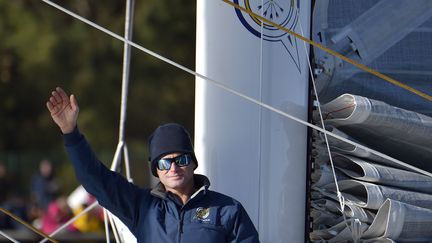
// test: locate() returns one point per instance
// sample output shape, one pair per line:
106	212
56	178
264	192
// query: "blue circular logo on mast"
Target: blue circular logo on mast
280	12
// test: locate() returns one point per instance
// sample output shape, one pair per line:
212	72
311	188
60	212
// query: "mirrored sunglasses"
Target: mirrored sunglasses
180	161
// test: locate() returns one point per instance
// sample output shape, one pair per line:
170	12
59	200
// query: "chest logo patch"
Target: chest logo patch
202	214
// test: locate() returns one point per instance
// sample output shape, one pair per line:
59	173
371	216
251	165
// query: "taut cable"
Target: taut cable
27	225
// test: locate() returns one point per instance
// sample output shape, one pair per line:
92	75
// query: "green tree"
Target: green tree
41	48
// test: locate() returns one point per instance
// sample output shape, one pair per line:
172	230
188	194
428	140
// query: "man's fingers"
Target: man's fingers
49	106
57	99
62	94
52	107
54	102
73	102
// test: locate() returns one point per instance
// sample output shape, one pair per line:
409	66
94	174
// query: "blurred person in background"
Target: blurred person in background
92	221
44	185
57	213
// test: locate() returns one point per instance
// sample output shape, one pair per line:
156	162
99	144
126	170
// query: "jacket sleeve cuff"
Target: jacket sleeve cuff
72	138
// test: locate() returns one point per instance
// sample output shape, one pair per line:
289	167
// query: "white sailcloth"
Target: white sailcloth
402	134
372	196
401	222
363	170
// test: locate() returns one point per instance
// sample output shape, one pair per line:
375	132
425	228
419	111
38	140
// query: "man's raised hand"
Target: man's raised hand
64	110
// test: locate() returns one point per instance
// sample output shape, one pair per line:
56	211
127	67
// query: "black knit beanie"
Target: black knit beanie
166	139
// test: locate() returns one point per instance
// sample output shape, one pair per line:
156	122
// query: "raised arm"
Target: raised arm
111	189
64	110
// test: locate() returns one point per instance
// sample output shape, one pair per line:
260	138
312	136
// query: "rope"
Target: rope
261	67
339	195
234	92
126	62
359	65
27	225
127	167
125	84
125	80
8	237
107	236
323	126
113	226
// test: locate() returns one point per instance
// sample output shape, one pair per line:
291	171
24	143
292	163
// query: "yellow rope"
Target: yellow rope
359	65
27	225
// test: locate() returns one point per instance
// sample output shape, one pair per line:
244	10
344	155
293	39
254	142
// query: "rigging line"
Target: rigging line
338	192
322	122
234	92
125	80
117	156
260	115
107	235
322	47
27	225
127	164
113	227
126	65
8	237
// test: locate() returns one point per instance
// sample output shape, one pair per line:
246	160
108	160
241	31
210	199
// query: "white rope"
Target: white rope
113	226
126	66
127	165
123	109
107	215
8	237
226	88
117	156
260	110
107	235
339	195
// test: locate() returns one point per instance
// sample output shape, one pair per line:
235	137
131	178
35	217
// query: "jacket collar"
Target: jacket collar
201	183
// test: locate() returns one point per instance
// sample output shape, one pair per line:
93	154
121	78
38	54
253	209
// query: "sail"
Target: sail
392	189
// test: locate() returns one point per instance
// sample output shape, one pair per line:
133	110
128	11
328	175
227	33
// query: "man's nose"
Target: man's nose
174	166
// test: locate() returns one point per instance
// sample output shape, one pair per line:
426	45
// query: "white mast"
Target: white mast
250	153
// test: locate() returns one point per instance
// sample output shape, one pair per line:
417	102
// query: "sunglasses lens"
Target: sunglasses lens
164	164
181	160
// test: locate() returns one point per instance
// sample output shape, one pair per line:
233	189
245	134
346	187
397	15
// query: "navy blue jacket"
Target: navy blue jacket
154	215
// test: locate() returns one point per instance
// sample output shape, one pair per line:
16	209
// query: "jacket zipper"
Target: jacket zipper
182	212
180	229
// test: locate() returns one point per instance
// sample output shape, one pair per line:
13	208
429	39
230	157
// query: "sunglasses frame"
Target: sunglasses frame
177	160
